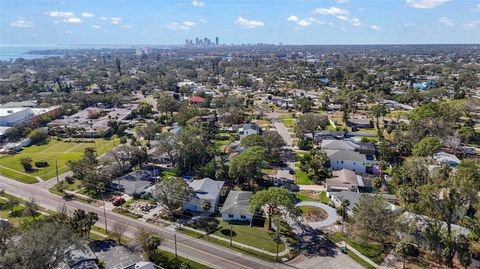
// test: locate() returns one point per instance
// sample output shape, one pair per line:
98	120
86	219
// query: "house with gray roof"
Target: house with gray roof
207	190
354	198
137	181
235	207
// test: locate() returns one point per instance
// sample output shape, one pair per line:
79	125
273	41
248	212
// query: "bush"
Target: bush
41	163
69	179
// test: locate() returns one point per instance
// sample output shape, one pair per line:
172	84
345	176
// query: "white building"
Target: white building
207	190
10	116
236	207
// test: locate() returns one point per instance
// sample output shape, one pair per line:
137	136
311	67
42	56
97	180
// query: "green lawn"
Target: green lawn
371	250
254	236
52	150
302	178
289	123
167	260
305	196
16	216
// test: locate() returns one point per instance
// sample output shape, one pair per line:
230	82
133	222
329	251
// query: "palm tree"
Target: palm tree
30	208
342	211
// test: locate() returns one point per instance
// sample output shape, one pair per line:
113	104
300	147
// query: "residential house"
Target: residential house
329	135
346	159
360	123
344	179
142	265
207	190
235	207
446	158
354	198
246	129
135	182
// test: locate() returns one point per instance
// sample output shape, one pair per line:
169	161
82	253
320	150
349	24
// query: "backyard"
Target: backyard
49	151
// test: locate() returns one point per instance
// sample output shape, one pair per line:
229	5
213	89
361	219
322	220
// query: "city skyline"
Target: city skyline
241	22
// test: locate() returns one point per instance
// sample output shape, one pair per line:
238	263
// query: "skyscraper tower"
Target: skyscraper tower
216	41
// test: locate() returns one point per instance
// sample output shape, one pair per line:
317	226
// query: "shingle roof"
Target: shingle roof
338	145
237	202
346	155
206	188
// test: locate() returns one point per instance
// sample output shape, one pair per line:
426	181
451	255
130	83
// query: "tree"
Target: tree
148	242
317	161
81	221
171	193
427	146
406	249
143	110
118	230
276	201
247	165
166	103
206	205
443	199
11	204
309	123
343	211
41	245
30	208
38	135
373	220
305	105
377	182
26	162
167	143
377	111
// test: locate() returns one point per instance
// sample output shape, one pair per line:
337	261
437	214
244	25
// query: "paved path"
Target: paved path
198	250
331	218
281	129
316	188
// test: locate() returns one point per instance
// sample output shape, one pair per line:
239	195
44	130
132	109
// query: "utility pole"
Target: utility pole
104	210
277	238
56	168
231	234
175	239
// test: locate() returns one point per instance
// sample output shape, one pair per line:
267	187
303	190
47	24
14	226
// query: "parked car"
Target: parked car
118	201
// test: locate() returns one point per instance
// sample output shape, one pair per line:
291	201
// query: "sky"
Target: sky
168	22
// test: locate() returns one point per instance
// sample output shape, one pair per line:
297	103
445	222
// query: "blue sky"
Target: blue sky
239	21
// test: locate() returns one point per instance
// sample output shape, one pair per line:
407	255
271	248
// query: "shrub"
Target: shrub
41	163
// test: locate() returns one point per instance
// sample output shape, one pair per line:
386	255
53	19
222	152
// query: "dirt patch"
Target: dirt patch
313	213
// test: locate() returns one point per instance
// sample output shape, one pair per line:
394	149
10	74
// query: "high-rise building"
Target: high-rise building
216	41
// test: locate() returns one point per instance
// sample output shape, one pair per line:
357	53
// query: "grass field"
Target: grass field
302	178
50	151
254	236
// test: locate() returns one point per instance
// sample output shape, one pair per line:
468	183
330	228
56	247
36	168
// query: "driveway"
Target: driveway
331	218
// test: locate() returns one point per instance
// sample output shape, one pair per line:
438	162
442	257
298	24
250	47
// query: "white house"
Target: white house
236	206
345	159
204	190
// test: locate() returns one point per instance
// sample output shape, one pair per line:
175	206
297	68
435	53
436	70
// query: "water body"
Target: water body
12	52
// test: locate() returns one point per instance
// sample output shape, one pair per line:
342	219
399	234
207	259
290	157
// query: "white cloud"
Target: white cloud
56	22
249	24
471	25
198	4
22	24
68	32
361	9
355	21
292	18
103	18
73	20
116	20
446	21
87	15
342	1
127	26
61	14
304	22
424	4
203	20
94	26
375	27
185	25
331	11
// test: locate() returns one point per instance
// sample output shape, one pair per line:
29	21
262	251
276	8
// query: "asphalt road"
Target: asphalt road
194	249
